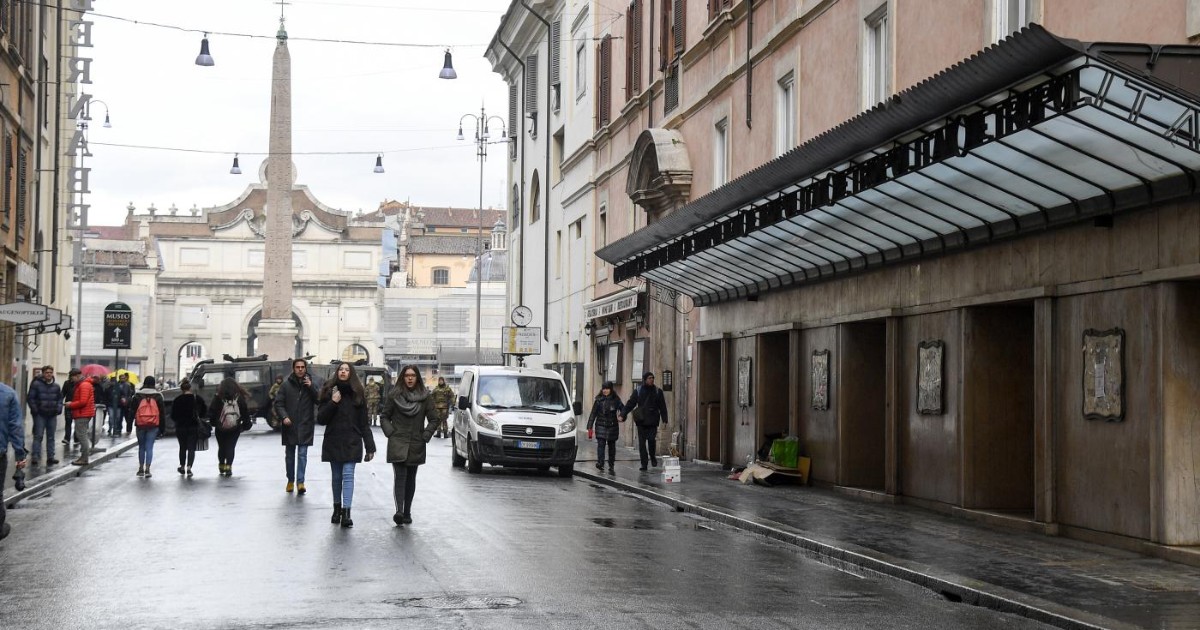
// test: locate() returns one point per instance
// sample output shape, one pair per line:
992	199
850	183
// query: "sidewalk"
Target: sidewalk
40	477
1054	580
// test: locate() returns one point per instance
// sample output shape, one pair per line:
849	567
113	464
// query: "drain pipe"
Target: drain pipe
521	177
650	72
546	177
749	64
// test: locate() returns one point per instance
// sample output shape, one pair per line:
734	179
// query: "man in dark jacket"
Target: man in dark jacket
652	408
119	407
68	393
45	403
296	408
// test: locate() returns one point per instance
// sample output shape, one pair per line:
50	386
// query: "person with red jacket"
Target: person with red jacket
83	409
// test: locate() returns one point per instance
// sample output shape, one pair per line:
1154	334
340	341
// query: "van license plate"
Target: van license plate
524	444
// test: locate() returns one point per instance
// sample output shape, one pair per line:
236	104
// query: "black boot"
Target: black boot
346	520
337	514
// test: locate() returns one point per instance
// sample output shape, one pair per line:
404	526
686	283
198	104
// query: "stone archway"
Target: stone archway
252	337
660	173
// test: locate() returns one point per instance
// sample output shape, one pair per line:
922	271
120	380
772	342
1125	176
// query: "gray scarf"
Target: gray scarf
410	402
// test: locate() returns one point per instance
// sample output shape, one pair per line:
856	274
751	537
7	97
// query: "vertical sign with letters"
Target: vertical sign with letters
118	319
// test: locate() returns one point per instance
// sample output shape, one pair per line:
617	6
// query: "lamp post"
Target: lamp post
482	122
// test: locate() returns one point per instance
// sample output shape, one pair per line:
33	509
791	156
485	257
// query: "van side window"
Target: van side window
464	387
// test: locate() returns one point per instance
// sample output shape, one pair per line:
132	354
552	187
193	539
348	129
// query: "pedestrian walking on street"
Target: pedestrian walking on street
188	412
83	410
229	415
272	394
148	412
45	402
374	391
12	431
296	406
119	409
343	413
651	408
408	419
68	394
602	424
443	396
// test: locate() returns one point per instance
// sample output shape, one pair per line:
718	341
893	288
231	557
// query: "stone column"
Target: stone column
276	330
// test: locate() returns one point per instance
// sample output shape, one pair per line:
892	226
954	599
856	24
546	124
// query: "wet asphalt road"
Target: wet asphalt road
504	549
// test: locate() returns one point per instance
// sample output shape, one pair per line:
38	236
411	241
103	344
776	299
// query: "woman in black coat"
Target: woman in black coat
343	412
605	414
227	436
186	412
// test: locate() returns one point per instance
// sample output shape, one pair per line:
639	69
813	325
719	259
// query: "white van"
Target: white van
510	416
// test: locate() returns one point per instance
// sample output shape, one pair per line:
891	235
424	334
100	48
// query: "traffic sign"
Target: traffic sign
23	312
521	340
118	320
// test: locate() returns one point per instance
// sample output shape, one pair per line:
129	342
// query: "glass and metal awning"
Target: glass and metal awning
1033	133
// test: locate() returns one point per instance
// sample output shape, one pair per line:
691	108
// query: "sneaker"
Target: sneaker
189	472
290	486
611	470
80	462
141	471
299	488
51	462
599	466
406	519
148	475
179	470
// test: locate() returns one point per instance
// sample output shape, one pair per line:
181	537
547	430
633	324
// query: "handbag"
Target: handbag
202	443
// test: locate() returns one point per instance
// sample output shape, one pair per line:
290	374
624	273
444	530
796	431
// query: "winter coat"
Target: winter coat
44	399
298	403
347	429
153	395
443	399
214	414
604	416
68	394
186	412
403	412
652	403
123	390
373	394
11	429
83	400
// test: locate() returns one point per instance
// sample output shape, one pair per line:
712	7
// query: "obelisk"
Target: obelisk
276	330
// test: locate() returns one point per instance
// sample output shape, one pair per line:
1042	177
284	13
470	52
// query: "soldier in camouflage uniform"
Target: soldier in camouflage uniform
373	394
443	396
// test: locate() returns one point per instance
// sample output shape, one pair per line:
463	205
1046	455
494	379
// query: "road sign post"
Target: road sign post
118	322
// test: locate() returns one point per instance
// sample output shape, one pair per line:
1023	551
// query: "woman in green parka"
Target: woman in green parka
409	419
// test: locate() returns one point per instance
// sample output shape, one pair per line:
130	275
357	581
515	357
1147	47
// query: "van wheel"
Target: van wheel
456	460
566	470
474	466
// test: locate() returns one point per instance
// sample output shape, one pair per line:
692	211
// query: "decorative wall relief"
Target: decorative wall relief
745	399
820	380
1104	374
929	376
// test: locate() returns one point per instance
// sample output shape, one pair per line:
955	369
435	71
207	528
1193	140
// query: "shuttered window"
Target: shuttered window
531	83
679	27
22	194
633	50
604	82
512	120
8	181
555	52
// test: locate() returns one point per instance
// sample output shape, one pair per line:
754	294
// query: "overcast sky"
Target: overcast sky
345	98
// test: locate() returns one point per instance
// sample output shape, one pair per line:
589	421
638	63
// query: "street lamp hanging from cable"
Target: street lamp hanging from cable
379	163
204	58
236	170
448	68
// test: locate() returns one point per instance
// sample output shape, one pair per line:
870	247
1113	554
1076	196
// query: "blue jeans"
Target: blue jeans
115	415
295	465
343	483
43	425
145	438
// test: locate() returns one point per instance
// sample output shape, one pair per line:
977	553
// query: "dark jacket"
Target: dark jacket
214	414
404	431
604	416
123	390
652	403
68	390
347	429
299	403
153	395
44	399
186	412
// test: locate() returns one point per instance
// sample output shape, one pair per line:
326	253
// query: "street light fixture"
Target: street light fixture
448	68
204	58
482	122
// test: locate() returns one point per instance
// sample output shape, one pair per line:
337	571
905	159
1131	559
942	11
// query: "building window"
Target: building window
556	155
720	153
633	50
785	114
1009	16
512	121
535	197
877	58
578	229
604	82
441	276
515	208
580	71
558	254
556	60
531	91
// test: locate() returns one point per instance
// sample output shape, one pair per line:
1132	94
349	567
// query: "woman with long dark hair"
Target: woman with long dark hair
186	412
343	413
409	419
229	415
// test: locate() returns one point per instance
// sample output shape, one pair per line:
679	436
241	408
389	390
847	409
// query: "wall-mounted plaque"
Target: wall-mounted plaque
744	392
1104	374
820	380
929	376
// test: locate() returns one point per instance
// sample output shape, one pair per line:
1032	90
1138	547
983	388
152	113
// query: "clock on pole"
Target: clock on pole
521	316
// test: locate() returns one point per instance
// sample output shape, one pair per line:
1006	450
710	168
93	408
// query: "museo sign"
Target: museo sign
118	319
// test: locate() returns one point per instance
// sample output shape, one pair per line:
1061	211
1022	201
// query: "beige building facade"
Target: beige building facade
957	264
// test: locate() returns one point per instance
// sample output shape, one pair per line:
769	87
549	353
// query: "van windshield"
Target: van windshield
510	391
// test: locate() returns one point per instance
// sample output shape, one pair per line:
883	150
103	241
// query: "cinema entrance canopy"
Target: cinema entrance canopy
1035	132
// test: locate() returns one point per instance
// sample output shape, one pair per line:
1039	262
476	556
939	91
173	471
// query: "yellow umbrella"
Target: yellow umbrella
133	378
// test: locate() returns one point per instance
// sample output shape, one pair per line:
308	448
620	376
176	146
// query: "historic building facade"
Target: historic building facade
951	246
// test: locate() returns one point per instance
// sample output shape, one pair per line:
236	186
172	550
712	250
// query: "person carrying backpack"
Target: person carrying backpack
229	415
148	413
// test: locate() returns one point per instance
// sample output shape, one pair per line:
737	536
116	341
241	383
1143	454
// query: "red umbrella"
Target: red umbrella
94	369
